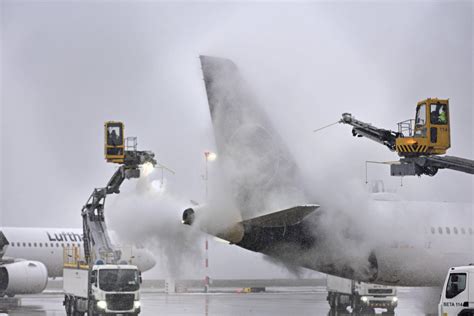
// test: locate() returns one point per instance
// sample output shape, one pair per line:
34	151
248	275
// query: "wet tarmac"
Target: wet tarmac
153	303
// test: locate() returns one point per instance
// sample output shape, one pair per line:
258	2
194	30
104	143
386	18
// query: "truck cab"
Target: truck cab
428	133
376	296
114	289
360	296
457	297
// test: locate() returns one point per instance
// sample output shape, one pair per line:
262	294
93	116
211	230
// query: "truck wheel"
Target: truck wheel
90	312
330	299
68	305
74	311
339	306
355	305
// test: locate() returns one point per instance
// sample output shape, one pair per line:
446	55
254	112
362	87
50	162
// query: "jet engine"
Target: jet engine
188	216
23	277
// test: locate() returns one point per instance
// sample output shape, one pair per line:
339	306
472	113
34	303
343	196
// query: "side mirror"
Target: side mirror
93	279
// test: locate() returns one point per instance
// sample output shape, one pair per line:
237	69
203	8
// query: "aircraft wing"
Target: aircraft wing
289	217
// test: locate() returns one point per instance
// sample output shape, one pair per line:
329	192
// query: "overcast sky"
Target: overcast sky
66	67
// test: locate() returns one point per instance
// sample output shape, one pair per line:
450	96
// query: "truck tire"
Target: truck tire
74	311
338	305
355	305
330	299
90	312
67	305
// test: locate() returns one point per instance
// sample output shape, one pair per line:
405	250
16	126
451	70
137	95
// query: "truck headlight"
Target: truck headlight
394	299
136	304
102	304
364	299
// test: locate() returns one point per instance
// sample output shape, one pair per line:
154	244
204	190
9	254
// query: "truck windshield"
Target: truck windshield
456	284
120	280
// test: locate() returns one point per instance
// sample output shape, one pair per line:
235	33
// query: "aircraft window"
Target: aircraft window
440	230
41	244
433	230
57	245
448	231
13	244
29	244
46	244
456	284
455	229
470	231
24	244
18	244
463	231
34	244
67	245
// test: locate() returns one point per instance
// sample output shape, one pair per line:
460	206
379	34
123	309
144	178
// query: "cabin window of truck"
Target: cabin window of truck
456	284
420	121
421	115
439	114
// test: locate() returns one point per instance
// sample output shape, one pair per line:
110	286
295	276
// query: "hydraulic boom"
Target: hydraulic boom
419	142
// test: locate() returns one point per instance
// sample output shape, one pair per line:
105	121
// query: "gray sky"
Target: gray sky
66	67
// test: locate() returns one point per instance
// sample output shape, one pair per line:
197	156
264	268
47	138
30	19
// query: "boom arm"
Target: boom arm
362	129
416	165
97	244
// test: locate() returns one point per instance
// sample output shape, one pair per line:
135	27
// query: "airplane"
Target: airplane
386	241
29	256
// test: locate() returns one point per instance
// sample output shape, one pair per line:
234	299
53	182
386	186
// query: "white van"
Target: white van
457	297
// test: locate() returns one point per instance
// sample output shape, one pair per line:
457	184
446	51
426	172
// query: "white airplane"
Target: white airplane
386	241
28	256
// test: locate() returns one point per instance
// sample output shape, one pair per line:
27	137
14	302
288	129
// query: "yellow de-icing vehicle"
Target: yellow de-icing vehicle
419	142
428	133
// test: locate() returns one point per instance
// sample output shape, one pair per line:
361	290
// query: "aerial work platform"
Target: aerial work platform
419	142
